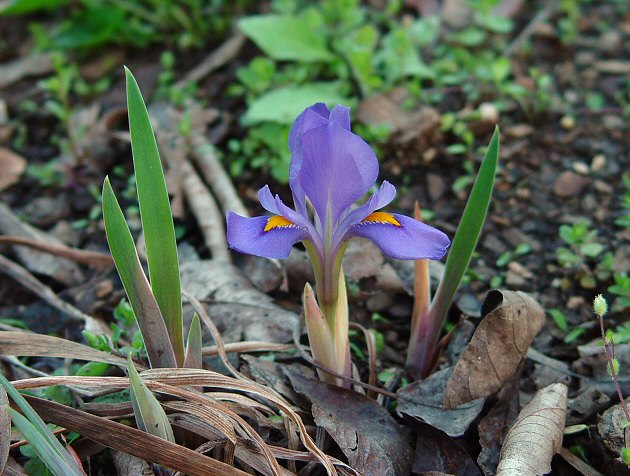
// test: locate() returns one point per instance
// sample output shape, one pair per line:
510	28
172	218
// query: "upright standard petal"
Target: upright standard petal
402	237
337	169
312	117
269	237
341	116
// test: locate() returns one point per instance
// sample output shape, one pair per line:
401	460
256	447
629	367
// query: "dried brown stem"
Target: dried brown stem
91	258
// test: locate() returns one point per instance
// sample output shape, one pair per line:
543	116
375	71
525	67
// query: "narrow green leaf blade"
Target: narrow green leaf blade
144	304
150	416
468	231
51	458
38	424
157	219
193	345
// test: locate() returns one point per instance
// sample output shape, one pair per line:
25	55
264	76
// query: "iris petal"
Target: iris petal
381	198
266	199
338	168
314	116
248	235
341	115
410	239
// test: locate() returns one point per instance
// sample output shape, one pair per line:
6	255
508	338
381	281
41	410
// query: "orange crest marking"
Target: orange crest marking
277	221
381	217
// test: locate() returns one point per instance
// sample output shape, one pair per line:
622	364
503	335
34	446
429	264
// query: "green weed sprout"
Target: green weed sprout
428	316
600	307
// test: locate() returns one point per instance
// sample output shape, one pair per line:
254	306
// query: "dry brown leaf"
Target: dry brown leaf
512	320
12	167
536	435
373	442
418	127
131	440
30	282
5	429
168	382
26	344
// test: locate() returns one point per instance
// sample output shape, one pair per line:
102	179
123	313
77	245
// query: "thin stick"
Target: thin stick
214	174
219	57
529	30
206	211
30	282
91	258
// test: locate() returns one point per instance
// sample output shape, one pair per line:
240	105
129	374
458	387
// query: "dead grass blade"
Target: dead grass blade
90	258
247	347
214	419
536	435
167	381
26	344
131	440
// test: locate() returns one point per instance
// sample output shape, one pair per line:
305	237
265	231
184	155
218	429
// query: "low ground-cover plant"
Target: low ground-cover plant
584	257
335	51
90	24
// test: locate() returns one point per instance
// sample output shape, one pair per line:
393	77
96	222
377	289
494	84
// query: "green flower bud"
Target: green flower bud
600	306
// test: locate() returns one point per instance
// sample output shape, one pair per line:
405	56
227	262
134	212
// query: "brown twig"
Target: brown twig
94	259
30	282
206	211
219	57
214	174
541	17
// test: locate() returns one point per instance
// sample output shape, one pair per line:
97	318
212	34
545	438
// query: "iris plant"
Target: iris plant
331	168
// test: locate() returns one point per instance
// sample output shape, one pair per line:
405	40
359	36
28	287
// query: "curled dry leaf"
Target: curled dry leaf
12	167
512	320
536	435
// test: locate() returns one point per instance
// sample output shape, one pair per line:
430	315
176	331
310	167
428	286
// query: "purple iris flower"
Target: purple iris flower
333	168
